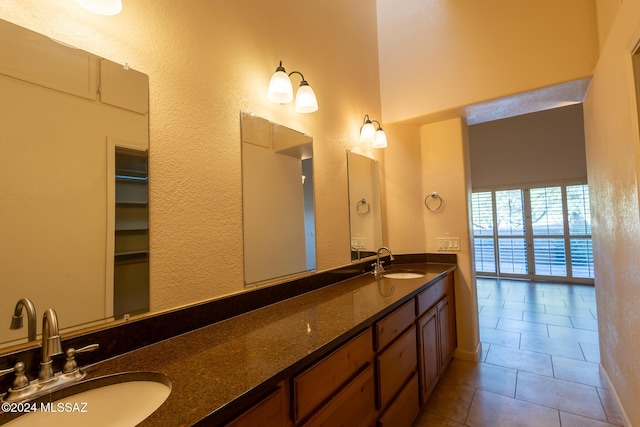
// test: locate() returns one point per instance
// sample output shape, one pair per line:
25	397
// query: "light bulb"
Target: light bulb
280	89
367	132
380	140
306	101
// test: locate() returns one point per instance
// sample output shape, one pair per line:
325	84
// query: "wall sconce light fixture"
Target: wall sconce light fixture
368	133
102	7
281	91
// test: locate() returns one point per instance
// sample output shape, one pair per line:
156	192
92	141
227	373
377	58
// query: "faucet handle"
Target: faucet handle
21	381
71	365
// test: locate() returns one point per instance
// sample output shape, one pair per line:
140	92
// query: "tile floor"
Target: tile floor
539	362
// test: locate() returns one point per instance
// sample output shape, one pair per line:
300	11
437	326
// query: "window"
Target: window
534	231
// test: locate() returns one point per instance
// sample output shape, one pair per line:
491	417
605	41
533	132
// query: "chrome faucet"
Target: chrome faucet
377	267
16	320
22	389
51	344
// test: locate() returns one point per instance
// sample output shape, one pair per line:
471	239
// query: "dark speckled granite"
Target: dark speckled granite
219	369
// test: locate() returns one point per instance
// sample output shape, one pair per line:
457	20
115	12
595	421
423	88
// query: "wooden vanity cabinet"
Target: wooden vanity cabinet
428	353
380	378
405	408
397	367
436	333
352	406
338	386
269	412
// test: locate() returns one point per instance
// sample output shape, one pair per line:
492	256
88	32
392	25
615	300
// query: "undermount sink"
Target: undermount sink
402	274
118	400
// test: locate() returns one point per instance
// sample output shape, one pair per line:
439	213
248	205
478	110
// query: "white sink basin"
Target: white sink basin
406	274
117	404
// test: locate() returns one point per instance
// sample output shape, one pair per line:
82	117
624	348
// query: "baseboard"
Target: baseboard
471	356
625	419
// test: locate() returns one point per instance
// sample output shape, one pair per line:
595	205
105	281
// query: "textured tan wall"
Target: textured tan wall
207	60
446	170
613	167
437	56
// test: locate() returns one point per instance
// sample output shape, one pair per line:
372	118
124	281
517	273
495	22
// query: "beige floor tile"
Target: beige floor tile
549	319
572	420
494	410
514	358
504	313
539	344
484	349
610	407
553	346
505	338
536	308
547	300
525	327
581	335
488	321
569	311
451	400
584	323
577	371
591	352
486	302
431	420
559	394
496	379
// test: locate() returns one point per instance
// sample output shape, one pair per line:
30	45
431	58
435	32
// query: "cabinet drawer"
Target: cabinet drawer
267	413
427	298
404	409
353	406
313	386
391	326
395	365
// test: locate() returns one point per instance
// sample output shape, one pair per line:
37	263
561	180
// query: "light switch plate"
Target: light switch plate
449	244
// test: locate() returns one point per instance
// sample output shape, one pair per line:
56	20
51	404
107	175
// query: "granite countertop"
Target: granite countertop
218	369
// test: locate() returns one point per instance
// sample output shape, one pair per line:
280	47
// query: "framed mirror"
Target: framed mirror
277	201
365	218
64	113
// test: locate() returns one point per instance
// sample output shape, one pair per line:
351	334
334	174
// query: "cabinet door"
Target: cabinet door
316	384
428	346
353	406
404	409
446	331
267	413
395	365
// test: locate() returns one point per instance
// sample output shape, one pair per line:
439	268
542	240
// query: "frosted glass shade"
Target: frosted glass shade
380	140
280	89
101	7
306	101
367	132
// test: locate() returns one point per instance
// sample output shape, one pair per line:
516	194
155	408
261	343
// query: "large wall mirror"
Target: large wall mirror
277	201
68	120
365	217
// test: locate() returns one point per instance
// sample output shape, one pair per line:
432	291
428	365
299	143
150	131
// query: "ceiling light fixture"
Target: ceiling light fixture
281	91
368	133
101	7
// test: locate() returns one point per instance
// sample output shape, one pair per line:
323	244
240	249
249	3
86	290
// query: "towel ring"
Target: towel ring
363	208
430	197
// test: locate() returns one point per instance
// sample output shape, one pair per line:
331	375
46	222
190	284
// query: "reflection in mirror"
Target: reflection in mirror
277	201
365	216
59	133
